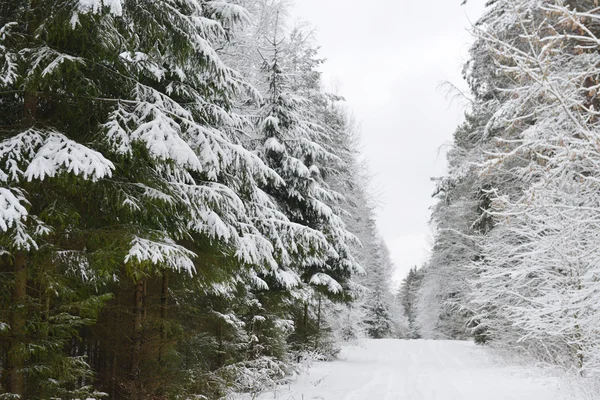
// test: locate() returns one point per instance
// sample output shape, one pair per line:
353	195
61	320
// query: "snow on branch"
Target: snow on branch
8	60
11	209
256	250
165	253
95	6
229	14
161	134
46	59
37	154
18	150
321	279
287	279
60	153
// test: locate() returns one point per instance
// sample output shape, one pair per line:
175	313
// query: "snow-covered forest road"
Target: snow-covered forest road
415	370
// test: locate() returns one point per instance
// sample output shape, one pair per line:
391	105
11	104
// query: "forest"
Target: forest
183	213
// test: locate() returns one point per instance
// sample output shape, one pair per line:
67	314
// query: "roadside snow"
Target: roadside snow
416	370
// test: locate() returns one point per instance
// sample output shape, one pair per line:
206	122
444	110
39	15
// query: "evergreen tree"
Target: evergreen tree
160	235
407	297
379	299
290	141
102	100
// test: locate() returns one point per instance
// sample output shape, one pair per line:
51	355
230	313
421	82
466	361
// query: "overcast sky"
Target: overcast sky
390	57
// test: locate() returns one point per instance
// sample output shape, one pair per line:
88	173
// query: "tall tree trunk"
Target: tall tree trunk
306	323
16	352
82	350
45	329
30	95
45	326
112	337
220	356
317	336
30	105
138	314
144	295
113	375
164	301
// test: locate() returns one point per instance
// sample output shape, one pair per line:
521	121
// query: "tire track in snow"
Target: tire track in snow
412	370
444	369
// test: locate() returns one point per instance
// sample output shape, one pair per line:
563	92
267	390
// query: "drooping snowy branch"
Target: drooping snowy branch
11	209
161	253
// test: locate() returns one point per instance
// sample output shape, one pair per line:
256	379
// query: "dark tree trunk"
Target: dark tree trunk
164	302
138	318
113	375
318	334
16	356
220	356
30	95
111	344
306	323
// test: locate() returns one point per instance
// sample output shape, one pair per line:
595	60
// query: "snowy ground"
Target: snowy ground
416	370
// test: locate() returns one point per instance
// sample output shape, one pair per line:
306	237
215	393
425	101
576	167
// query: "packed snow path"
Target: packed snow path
415	370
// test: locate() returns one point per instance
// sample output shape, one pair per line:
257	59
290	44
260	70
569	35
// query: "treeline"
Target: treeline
181	202
515	261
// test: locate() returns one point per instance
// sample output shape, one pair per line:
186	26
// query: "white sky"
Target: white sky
389	58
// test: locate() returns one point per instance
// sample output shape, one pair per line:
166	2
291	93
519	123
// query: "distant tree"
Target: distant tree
407	297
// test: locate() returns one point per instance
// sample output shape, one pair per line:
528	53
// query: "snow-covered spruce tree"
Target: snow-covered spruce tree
42	166
348	319
370	287
298	56
378	297
371	291
278	288
119	164
295	146
148	253
406	297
